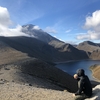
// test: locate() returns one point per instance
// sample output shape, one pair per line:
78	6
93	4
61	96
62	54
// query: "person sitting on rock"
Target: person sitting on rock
84	86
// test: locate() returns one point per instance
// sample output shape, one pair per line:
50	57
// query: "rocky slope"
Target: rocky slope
9	54
17	82
12	91
34	79
23	71
33	47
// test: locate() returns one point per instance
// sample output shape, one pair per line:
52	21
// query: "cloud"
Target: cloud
5	22
68	31
82	36
93	21
4	16
92	25
36	27
90	35
50	30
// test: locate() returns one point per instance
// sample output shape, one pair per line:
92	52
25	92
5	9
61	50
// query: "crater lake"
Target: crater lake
72	66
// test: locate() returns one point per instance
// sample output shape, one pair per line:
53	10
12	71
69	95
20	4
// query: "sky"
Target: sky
72	21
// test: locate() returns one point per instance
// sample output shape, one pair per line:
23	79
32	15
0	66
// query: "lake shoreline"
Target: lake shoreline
92	70
71	61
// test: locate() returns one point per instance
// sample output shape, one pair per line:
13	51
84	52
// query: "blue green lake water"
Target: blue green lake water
71	67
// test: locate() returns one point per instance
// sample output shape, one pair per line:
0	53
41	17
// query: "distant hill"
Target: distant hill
92	49
88	46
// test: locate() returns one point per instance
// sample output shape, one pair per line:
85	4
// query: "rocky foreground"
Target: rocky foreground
13	91
35	80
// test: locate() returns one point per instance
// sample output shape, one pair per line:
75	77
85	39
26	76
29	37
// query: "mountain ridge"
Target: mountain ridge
32	47
46	47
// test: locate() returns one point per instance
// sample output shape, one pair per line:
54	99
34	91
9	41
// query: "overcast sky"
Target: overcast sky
71	21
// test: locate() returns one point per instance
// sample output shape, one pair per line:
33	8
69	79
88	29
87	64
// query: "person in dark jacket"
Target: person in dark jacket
84	86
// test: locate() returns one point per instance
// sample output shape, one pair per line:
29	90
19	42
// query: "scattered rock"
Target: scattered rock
12	80
30	84
6	68
1	82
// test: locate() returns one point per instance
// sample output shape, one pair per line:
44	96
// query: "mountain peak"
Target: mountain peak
36	32
88	43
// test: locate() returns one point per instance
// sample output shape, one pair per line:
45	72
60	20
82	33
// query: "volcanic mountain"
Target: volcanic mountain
39	34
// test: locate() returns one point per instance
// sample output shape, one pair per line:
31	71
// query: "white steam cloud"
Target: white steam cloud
5	22
92	24
50	30
36	28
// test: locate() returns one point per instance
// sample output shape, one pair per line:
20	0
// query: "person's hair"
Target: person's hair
80	72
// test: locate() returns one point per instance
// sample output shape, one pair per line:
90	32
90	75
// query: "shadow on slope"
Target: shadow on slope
36	48
40	69
31	46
